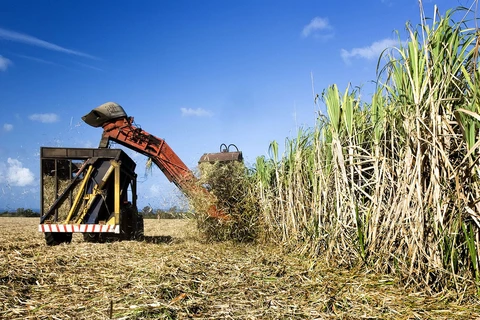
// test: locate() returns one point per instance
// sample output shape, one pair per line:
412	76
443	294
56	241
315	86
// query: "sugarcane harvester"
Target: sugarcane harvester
120	128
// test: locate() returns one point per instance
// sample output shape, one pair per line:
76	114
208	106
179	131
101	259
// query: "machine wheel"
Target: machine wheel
56	238
139	233
93	237
131	224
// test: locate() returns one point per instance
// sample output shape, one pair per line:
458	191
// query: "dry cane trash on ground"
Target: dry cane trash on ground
173	275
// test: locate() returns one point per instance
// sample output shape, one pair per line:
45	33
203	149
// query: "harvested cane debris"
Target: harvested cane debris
231	186
185	278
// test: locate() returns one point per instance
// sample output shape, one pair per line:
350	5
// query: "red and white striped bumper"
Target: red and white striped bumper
79	228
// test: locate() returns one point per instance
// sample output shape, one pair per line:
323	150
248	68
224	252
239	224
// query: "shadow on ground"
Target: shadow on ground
160	239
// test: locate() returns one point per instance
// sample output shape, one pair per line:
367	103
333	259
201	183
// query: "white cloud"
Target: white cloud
7	127
88	66
316	24
37	59
30	40
44	117
13	173
4	63
370	52
199	112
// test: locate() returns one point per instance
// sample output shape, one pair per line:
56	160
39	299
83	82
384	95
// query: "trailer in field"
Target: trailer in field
90	191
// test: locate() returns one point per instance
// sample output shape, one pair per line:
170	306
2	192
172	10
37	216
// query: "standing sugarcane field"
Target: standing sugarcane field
371	212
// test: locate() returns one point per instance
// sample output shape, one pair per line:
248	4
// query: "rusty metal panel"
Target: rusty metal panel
86	153
79	153
221	157
53	152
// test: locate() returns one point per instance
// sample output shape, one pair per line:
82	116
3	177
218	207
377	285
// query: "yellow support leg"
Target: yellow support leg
116	197
97	190
74	207
117	192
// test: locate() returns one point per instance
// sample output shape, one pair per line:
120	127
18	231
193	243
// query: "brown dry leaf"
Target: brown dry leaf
178	298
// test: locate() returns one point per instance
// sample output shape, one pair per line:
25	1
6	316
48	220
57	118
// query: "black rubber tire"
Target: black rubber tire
56	238
91	237
139	230
68	237
131	224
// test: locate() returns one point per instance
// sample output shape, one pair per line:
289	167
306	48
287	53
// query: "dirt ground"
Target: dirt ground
174	275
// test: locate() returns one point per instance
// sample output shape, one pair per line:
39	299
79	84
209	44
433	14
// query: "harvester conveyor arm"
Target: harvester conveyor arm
123	132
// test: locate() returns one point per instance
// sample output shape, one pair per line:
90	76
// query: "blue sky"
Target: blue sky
195	73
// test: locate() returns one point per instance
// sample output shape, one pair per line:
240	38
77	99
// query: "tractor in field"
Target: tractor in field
93	190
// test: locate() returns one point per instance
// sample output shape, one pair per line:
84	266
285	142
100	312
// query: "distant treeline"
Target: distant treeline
172	213
147	212
20	212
